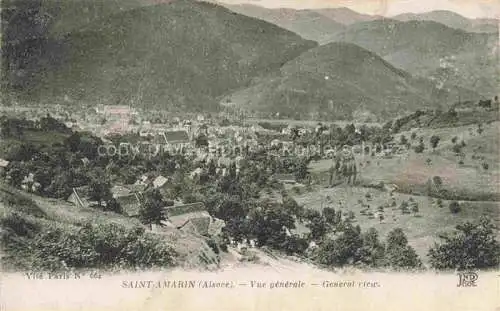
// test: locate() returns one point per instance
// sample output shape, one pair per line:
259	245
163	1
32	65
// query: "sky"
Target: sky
467	8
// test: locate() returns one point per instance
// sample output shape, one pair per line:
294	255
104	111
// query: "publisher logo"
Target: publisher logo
467	279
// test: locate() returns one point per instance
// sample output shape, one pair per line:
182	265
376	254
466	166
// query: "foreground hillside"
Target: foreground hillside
183	54
339	79
33	229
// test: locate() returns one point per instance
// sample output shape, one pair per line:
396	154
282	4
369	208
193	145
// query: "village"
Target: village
164	174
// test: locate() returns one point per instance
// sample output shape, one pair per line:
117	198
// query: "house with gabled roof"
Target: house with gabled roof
3	165
174	137
286	178
79	196
193	218
159	181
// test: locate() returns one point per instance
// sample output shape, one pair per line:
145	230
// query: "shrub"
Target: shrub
434	141
403	140
330	215
485	165
414	208
470	246
343	250
439	203
52	247
372	252
454	207
399	255
438	181
457	149
404	207
295	245
419	148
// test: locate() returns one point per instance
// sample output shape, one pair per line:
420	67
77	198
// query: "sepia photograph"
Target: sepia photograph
250	155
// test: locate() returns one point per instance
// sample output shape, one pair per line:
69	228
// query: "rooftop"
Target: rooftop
174	137
185	208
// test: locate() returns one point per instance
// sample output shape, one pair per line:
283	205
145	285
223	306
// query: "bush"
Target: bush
43	245
295	245
470	246
485	165
404	207
343	250
434	141
439	203
438	181
454	207
399	255
457	148
420	148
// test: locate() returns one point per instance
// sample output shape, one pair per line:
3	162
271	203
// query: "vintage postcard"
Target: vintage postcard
250	155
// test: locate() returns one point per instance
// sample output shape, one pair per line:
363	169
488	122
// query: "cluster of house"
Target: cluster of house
190	217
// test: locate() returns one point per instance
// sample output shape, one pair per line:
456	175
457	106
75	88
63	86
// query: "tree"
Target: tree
438	181
470	246
399	255
295	245
414	208
100	190
330	215
302	170
439	203
290	204
372	251
480	129
316	223
201	141
454	140
434	141
454	207
420	148
413	135
343	250
16	175
113	206
212	168
404	207
152	209
403	140
457	149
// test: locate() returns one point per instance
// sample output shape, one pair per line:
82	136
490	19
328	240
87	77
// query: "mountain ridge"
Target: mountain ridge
182	53
339	79
433	50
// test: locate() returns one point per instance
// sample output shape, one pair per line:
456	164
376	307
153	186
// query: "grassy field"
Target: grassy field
422	230
475	187
411	171
311	123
